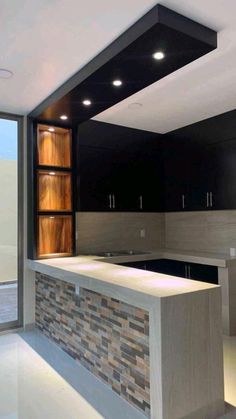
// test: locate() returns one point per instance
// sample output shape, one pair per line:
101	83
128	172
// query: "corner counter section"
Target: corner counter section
159	349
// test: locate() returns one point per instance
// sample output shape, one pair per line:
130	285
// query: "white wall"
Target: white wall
8	220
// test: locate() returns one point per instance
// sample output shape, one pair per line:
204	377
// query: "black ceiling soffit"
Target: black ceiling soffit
130	59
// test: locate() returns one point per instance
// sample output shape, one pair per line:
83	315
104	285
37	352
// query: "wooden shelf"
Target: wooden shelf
54	191
55	235
54	148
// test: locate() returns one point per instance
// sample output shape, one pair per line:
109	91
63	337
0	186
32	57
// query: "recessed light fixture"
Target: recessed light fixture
135	105
117	83
52	218
87	102
52	173
51	129
159	55
63	117
5	74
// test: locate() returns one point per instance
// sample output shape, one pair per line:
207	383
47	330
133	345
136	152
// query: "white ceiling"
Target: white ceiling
44	42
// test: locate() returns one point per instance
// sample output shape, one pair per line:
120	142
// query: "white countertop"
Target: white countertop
206	258
128	284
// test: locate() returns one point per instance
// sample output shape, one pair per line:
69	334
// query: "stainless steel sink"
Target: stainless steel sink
121	253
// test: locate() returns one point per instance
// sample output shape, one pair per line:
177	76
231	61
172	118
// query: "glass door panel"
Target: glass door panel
8	221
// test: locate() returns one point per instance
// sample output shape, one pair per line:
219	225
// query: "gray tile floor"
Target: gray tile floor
8	303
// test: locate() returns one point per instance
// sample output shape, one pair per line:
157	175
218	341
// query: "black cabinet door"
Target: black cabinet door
164	266
195	271
203	273
138	265
119	169
125	181
95	182
167	267
224	189
177	179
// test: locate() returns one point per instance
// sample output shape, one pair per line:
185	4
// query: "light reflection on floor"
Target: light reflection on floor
38	380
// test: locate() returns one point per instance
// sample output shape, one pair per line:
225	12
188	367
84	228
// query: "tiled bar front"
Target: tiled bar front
154	339
108	337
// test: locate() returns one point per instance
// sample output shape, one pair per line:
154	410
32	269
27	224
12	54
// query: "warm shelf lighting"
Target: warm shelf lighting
159	55
87	102
63	117
117	83
52	173
51	129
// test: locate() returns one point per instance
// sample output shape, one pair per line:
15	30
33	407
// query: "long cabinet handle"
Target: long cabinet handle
187	269
183	201
141	202
207	199
211	199
113	201
110	204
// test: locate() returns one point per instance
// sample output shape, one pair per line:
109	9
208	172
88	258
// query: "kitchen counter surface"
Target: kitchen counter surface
206	258
97	274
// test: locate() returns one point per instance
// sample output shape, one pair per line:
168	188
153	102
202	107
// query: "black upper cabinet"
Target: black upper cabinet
123	169
119	169
200	176
94	179
224	187
199	165
177	176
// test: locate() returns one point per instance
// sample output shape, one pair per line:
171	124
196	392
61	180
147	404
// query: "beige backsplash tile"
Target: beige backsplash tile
102	231
212	231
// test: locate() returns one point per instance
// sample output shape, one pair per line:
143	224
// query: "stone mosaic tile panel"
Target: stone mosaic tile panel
108	337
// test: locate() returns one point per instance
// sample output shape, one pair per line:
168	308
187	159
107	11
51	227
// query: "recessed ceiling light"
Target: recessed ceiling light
63	117
52	173
117	83
5	74
87	102
51	129
159	55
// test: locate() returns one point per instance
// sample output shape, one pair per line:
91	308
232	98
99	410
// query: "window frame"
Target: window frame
20	220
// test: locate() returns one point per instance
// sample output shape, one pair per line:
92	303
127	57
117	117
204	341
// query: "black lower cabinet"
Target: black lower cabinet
204	273
195	271
168	267
138	265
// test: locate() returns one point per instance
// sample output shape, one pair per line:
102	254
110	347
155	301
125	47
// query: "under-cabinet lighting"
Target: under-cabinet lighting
87	102
63	117
51	218
117	83
52	173
51	129
159	55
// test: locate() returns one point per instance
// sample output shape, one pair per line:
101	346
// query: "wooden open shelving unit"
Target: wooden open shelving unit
54	203
54	191
54	238
54	148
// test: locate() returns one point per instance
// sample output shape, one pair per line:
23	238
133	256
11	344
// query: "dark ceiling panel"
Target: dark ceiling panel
129	58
